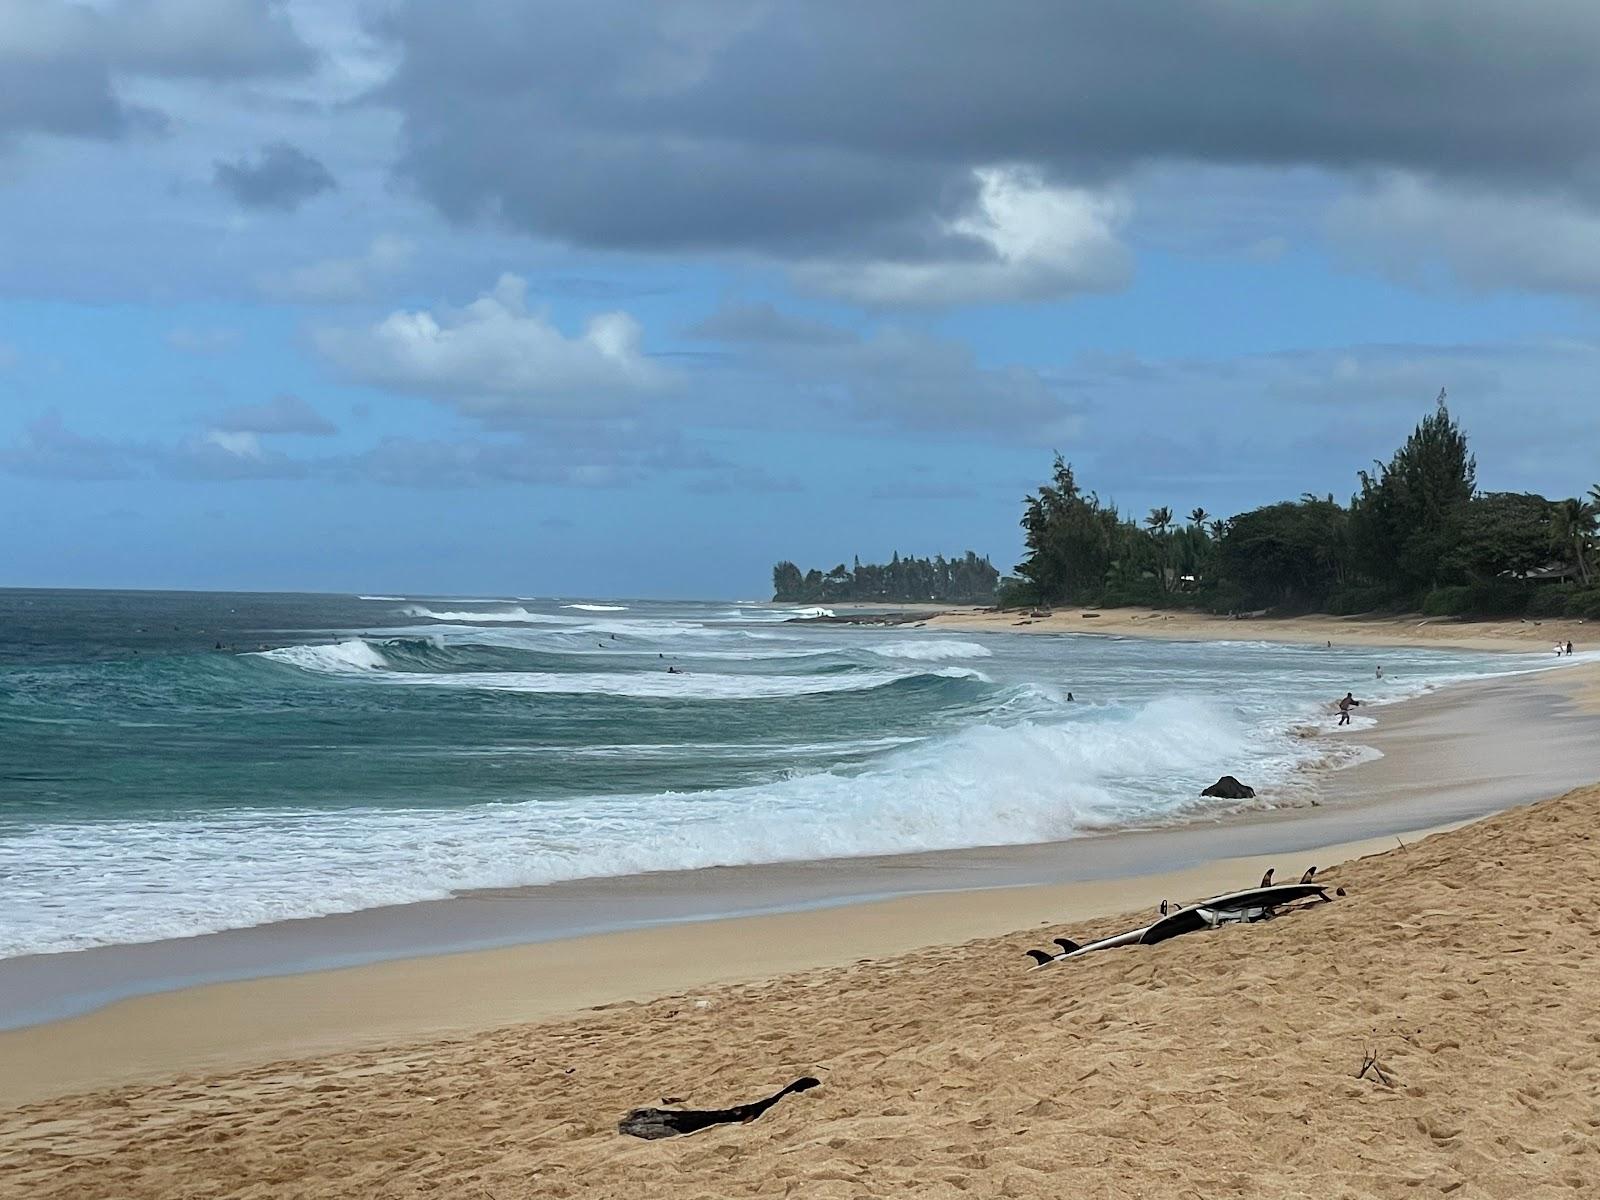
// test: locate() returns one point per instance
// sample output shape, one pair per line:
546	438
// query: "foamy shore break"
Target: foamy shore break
1218	1064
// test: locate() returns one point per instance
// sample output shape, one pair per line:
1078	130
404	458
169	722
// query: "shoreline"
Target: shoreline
1460	753
240	1023
1372	802
1429	1032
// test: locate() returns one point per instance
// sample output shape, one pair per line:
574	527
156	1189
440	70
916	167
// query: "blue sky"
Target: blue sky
616	300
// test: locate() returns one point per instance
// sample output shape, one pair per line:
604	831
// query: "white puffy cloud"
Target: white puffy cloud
338	280
500	361
1024	240
1420	231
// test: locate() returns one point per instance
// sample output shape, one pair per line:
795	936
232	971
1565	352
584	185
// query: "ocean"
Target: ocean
181	763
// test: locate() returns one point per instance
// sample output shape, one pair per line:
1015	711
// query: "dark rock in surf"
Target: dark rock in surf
1229	788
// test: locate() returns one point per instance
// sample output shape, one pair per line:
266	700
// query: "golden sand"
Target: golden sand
1218	1064
1314	629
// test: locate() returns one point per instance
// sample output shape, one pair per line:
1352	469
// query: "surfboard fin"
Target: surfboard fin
1040	957
1067	945
1310	873
1266	880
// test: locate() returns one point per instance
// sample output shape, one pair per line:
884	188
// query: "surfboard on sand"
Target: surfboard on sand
1252	904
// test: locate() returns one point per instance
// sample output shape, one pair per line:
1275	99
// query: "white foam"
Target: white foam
769	614
598	607
476	616
380	597
684	685
930	650
126	881
336	658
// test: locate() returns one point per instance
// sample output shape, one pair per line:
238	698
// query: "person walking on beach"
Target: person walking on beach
1345	706
1569	648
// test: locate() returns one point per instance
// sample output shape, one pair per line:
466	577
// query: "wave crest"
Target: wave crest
337	658
931	650
476	616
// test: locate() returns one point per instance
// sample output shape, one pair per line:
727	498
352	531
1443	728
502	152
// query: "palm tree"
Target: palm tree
1197	516
1159	521
1574	526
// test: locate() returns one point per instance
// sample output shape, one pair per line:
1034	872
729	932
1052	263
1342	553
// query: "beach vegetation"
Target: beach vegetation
969	579
1416	534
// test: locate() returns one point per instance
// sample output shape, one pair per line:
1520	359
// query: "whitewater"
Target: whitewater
181	764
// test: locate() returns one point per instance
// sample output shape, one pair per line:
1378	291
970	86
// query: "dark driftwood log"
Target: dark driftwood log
669	1122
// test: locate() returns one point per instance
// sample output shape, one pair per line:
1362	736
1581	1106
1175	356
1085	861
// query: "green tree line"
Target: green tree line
1416	534
965	580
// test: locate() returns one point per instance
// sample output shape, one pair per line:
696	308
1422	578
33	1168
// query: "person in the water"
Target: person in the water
1345	706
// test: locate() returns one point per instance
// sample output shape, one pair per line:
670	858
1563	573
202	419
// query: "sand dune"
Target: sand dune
1221	1064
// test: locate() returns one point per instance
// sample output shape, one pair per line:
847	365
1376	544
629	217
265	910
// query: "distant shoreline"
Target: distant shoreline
1411	630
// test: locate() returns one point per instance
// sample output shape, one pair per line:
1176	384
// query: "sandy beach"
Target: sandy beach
1220	1064
1310	629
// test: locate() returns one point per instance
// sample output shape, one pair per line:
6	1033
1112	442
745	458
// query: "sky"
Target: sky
614	299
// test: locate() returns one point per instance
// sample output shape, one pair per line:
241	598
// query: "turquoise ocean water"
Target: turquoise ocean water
339	752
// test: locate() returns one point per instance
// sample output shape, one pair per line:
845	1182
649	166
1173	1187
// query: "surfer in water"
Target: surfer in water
1345	705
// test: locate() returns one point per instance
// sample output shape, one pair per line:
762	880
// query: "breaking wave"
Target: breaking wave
477	616
340	657
930	651
985	785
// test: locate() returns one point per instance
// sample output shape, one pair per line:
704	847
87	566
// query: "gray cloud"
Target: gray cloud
338	280
1421	232
574	454
62	62
217	40
281	414
49	449
280	177
763	323
834	135
891	377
